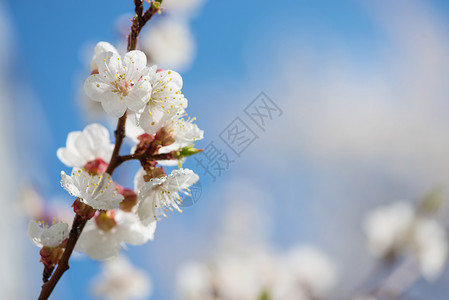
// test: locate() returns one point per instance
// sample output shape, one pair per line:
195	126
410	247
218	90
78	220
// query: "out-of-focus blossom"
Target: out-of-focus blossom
431	247
120	85
85	146
193	281
120	280
308	274
396	229
97	191
387	227
32	202
43	235
182	8
103	243
37	208
169	44
302	273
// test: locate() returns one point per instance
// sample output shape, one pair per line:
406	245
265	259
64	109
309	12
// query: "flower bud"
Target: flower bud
96	167
154	172
51	256
83	210
165	137
105	220
145	141
130	200
187	151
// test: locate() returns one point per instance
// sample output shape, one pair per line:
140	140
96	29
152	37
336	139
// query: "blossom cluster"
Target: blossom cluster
303	272
399	229
152	101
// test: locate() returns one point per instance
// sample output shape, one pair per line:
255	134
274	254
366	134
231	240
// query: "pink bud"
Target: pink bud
130	200
83	210
96	166
105	220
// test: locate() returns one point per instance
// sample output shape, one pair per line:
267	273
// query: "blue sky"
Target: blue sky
240	53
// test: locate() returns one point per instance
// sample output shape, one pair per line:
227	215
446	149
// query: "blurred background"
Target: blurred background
360	119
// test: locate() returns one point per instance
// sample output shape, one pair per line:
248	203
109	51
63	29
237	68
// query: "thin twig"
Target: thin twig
145	157
139	21
119	136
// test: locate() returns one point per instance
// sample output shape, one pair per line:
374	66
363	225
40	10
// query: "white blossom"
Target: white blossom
101	48
170	44
133	130
386	227
85	146
100	244
159	195
97	191
242	276
396	229
185	133
246	275
166	100
120	85
120	280
431	245
43	235
307	274
303	273
194	281
182	8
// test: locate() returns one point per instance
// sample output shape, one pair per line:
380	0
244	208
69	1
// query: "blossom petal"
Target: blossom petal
109	64
96	88
132	231
35	232
139	95
100	141
67	157
153	119
100	48
181	179
96	243
84	147
68	184
139	180
146	210
114	106
55	234
134	62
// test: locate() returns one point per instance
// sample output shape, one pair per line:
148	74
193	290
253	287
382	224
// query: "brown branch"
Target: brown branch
140	19
78	222
119	136
77	227
145	157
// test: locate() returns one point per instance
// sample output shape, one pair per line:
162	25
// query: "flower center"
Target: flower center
121	86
